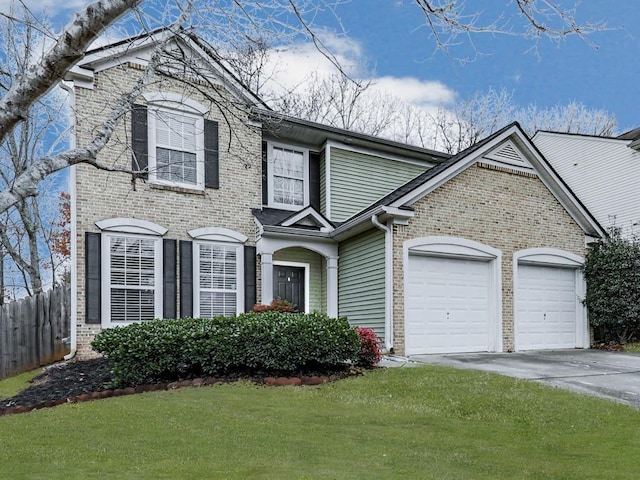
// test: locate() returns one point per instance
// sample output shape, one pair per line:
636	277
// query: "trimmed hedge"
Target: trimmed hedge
251	343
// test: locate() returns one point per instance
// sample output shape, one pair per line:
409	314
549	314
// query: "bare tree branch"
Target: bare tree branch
67	50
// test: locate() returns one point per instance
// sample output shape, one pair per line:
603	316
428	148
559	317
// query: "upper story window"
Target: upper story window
176	148
288	176
173	148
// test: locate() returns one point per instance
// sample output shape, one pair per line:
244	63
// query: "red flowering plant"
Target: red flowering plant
277	305
370	353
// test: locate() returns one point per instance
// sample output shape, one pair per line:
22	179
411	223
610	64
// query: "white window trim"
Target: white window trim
270	174
185	110
239	274
106	279
130	225
307	283
176	101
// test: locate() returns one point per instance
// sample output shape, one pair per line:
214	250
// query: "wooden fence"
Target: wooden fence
33	330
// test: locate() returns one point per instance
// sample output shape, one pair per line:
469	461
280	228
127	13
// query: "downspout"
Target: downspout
388	281
73	236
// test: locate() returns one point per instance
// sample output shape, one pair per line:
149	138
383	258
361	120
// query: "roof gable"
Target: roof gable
507	154
138	51
509	147
308	217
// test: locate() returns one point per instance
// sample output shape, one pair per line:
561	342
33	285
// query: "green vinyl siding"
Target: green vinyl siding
317	276
357	180
361	280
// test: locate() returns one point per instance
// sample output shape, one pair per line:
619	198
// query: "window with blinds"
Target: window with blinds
176	146
132	274
217	280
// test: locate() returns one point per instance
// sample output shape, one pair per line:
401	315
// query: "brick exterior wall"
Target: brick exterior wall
502	208
102	195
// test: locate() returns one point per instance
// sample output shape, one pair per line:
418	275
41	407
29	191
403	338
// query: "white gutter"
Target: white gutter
73	236
388	281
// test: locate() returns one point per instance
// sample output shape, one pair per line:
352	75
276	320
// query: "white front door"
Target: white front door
447	305
546	304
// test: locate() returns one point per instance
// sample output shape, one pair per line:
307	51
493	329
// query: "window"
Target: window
288	177
133	270
218	271
176	148
176	160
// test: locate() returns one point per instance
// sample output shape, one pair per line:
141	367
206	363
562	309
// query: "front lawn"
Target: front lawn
632	347
424	422
12	385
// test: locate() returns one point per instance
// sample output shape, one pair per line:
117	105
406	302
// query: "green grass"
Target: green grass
12	385
402	423
632	348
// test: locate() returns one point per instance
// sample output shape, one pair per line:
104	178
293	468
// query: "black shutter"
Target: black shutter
169	290
314	180
186	278
249	278
265	198
211	156
139	139
93	278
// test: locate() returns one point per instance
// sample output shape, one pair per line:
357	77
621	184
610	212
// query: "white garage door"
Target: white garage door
447	305
545	308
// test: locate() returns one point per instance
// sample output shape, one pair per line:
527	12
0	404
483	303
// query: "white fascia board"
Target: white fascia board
540	166
446	175
363	218
375	153
308	212
274	230
560	191
362	222
125	49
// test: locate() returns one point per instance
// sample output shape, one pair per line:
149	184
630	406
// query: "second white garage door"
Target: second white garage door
545	308
447	305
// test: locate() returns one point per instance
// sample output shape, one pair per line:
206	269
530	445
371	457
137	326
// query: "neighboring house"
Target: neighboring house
241	205
603	173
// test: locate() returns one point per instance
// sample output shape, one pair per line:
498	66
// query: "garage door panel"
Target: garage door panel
447	305
546	308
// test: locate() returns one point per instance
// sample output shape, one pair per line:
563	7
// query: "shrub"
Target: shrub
369	354
612	273
251	343
278	305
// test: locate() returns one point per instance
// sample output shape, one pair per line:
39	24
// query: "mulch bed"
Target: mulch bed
610	346
79	381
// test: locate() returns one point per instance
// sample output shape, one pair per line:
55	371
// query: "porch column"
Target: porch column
267	278
332	286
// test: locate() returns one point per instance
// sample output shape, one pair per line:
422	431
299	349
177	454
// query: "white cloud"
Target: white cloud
415	91
294	65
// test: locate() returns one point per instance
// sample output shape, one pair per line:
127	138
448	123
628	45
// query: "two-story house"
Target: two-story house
240	205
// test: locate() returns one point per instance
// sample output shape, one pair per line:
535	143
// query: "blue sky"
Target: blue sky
392	35
389	37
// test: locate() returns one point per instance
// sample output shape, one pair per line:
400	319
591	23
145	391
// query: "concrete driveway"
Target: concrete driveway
611	375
